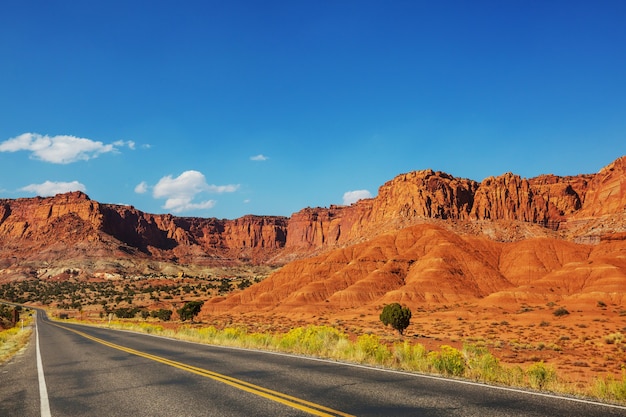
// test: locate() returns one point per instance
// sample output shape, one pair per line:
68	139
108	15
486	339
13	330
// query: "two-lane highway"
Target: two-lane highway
101	372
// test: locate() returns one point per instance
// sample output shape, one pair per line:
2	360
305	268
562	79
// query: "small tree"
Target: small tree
225	286
397	316
162	314
190	310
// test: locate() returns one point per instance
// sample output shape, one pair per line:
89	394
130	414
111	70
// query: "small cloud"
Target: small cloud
141	188
50	188
219	189
129	143
61	149
259	157
180	192
246	201
350	197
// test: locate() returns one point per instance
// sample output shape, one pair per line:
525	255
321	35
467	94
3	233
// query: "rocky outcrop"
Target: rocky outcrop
606	193
547	200
33	218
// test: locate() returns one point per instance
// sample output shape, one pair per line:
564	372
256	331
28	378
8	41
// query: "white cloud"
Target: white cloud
50	188
129	143
259	157
350	197
141	188
61	149
219	189
180	192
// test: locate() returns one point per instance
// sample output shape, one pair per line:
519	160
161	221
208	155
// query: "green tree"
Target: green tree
397	316
190	310
126	312
225	286
162	314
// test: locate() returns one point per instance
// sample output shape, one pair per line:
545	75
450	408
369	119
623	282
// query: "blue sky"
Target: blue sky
226	108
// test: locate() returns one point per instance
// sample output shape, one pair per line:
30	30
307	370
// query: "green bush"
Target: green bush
162	314
190	310
126	312
397	316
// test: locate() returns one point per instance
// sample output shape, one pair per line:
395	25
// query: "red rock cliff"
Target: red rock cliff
411	198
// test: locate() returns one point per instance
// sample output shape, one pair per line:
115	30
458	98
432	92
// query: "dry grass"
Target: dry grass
14	339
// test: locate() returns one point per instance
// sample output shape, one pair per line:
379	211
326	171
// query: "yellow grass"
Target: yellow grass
14	339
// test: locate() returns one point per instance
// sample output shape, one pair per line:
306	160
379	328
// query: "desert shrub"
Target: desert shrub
613	338
560	312
397	316
162	314
370	349
610	388
540	375
190	310
233	333
448	361
225	286
125	312
207	333
513	376
410	357
260	340
245	283
482	365
315	340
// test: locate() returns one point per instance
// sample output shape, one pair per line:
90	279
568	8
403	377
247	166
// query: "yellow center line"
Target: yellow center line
300	404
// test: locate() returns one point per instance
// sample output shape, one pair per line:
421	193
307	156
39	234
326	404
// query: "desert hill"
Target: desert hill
427	264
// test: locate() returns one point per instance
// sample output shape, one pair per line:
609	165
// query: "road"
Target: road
90	371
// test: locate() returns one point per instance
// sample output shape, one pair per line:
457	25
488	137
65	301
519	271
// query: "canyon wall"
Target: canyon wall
548	200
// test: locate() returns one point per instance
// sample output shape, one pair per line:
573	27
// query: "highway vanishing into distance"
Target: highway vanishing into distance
74	370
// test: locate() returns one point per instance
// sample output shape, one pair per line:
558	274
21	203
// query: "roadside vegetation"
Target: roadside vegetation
13	335
470	362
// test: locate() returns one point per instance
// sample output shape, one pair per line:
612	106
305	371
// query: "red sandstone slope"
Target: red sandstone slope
425	264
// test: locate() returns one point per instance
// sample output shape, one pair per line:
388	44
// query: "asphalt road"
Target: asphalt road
100	372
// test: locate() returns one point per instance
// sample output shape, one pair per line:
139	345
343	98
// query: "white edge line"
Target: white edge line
373	368
43	391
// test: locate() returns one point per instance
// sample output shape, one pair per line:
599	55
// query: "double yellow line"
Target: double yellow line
303	405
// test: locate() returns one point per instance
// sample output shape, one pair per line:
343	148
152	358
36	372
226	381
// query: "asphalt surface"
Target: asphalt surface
102	372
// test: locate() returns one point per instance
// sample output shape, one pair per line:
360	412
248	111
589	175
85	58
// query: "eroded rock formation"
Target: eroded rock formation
27	225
